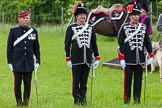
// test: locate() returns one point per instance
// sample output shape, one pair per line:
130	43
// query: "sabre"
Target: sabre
35	79
145	76
92	76
36	87
70	20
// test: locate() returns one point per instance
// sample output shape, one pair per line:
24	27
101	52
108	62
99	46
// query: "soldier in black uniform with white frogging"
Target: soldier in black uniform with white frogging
79	48
132	38
22	44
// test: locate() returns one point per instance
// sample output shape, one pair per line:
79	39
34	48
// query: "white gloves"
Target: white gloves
36	67
150	60
11	68
95	64
69	64
122	63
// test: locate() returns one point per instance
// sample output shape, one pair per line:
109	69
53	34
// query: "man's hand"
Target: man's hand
95	64
69	64
150	60
10	67
122	63
36	67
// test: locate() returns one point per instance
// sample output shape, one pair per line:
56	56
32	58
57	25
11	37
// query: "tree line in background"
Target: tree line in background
49	11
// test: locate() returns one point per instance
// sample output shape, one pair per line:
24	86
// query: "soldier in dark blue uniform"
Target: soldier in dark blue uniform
132	38
80	43
22	45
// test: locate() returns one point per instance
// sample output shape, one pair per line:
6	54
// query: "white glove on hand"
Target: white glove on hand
122	63
69	64
150	60
11	68
95	64
36	67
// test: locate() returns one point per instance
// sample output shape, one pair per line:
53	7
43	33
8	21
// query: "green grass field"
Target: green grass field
55	79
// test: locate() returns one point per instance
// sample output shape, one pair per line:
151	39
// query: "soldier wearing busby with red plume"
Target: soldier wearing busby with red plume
132	38
80	46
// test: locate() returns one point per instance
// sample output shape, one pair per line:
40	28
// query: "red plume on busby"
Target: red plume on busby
133	8
129	8
80	8
74	9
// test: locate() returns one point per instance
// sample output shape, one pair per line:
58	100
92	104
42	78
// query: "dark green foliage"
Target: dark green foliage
49	11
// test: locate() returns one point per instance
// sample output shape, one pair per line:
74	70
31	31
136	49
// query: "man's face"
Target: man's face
135	18
82	17
24	21
142	13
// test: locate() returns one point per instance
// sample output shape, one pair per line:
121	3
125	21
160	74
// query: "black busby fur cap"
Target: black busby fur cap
81	8
133	9
136	9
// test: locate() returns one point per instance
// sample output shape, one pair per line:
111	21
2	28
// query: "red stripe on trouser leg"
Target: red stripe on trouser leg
15	86
125	97
14	83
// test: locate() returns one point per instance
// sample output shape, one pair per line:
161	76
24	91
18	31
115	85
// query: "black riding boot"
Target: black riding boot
19	103
83	101
76	101
137	100
127	101
26	102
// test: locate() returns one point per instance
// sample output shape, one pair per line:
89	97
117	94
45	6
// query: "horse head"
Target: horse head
107	22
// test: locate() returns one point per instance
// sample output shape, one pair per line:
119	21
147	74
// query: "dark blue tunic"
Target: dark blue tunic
21	55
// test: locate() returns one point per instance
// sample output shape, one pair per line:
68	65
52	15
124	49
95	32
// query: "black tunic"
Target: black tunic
81	47
133	49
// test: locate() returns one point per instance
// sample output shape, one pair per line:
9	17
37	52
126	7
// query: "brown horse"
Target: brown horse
110	27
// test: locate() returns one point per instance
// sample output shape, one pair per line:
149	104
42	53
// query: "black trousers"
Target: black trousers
26	78
130	71
80	75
